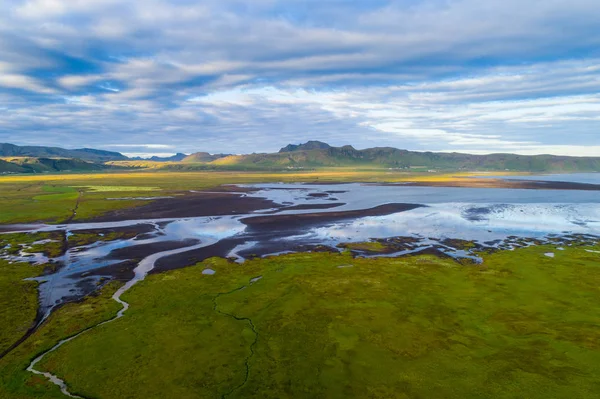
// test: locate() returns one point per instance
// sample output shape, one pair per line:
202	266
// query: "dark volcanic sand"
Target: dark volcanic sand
190	205
267	230
122	271
311	206
292	222
219	249
134	228
141	251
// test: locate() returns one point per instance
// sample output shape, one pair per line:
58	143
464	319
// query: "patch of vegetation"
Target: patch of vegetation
367	246
18	296
520	325
19	301
102	189
78	239
459	244
68	320
52	249
48	243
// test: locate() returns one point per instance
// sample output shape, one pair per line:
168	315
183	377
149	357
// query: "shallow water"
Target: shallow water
474	214
487	216
587	178
74	279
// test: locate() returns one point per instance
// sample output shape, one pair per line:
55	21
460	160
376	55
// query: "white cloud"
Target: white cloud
243	76
76	81
17	81
148	154
151	146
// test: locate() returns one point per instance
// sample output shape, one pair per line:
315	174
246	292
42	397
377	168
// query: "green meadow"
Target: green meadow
305	325
324	325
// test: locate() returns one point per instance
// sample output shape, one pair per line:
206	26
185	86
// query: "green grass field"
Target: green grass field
15	381
315	325
19	301
329	325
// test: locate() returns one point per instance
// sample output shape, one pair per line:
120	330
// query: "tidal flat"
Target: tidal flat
216	289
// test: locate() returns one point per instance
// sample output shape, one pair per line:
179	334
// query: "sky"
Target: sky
156	77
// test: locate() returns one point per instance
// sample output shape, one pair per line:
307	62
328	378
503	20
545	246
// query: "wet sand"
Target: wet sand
144	250
302	220
266	224
311	206
269	229
220	249
231	200
193	204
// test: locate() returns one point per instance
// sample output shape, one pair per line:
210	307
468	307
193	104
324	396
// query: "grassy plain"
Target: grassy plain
328	325
19	301
314	325
15	381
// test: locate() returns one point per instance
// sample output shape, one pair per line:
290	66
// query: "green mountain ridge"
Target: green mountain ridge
203	157
9	167
85	154
319	154
312	154
49	165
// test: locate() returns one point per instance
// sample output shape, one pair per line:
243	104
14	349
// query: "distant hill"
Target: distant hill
318	154
86	154
312	154
309	145
203	157
8	167
46	165
175	158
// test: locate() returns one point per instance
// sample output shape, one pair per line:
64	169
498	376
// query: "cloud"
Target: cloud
148	146
240	76
17	81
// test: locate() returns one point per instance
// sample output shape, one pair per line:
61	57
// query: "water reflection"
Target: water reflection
485	216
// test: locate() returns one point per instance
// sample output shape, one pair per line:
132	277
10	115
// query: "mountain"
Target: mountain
309	145
175	158
86	154
47	165
9	167
203	157
318	154
312	154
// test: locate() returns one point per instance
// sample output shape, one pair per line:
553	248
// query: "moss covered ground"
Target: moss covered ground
19	301
330	325
68	320
314	325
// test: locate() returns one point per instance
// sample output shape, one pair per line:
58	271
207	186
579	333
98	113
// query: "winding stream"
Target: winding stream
487	216
141	271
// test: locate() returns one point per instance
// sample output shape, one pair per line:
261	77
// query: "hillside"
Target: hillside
312	154
8	167
86	154
318	154
47	165
309	145
203	157
174	158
